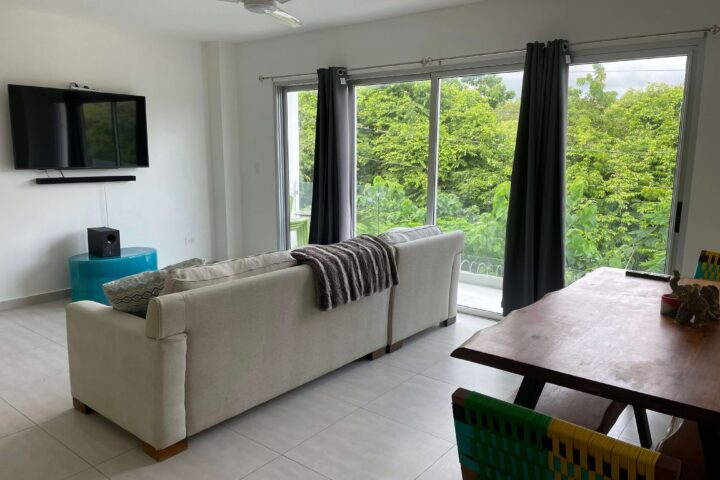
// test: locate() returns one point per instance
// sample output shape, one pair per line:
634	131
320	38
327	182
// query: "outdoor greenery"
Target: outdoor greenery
621	153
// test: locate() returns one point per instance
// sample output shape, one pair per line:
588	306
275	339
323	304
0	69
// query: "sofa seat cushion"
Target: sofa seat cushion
225	271
132	294
406	234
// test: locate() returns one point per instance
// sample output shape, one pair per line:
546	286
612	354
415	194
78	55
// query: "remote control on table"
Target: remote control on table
648	275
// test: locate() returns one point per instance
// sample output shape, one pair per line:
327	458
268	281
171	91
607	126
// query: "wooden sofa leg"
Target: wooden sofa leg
448	322
81	407
395	346
376	354
167	452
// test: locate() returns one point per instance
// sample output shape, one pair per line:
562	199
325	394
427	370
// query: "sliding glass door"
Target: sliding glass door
476	144
624	123
438	147
299	146
391	152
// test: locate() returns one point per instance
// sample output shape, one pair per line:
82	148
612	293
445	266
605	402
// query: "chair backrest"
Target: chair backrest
497	439
708	266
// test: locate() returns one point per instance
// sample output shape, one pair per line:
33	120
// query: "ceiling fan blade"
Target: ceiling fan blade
286	18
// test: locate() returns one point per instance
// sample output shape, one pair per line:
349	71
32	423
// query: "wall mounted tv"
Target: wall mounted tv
77	129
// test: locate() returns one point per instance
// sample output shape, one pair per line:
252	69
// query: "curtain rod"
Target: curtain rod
426	61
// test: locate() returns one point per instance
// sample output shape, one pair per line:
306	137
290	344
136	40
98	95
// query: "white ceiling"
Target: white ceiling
209	20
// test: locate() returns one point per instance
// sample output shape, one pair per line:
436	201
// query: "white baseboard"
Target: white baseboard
14	303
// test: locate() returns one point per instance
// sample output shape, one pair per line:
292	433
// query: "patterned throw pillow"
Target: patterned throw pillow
406	234
133	293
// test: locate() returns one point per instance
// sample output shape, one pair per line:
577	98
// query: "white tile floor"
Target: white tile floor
480	297
387	419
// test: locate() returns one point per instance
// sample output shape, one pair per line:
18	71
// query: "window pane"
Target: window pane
391	152
623	130
478	125
301	110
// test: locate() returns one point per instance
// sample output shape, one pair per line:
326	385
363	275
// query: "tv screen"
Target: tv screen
70	129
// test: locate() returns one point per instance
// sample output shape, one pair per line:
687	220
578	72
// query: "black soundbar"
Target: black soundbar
104	178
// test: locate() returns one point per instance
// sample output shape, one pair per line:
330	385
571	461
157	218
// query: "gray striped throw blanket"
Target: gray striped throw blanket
349	270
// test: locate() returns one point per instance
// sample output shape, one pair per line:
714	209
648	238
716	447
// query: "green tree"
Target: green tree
620	167
623	151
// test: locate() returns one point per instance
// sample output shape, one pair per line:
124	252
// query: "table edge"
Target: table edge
631	397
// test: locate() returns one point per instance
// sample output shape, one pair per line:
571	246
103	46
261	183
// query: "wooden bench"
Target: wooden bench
683	442
589	411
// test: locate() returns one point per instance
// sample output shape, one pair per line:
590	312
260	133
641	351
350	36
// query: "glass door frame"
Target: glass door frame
361	81
693	49
434	75
281	154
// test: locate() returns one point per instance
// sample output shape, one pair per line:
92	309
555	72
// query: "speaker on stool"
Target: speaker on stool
103	242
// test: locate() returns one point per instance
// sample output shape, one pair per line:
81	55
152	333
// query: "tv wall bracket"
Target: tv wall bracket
98	179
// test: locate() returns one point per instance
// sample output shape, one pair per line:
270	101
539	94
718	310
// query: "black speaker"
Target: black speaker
104	242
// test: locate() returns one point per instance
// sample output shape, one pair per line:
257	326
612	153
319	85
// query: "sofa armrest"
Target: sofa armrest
135	381
166	316
428	271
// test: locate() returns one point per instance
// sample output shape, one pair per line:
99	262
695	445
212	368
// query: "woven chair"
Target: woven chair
708	266
498	440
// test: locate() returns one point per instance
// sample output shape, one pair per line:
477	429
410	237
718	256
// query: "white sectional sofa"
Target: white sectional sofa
205	355
428	269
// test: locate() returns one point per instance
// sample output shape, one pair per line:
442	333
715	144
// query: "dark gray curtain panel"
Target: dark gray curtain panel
330	220
535	233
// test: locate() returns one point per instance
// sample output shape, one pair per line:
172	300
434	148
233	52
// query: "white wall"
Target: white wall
221	70
484	27
168	207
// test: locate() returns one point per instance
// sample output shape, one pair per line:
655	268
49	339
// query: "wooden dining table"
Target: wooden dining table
604	335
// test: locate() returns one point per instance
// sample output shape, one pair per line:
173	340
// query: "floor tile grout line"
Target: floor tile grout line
318	433
52	437
54	344
409	426
86	470
367	411
15	322
438	380
261	466
436	461
247	437
40	425
116	456
65	445
400	421
18	431
221	425
309	468
18	411
329	394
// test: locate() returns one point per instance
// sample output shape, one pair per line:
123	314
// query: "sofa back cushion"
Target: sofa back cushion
406	234
132	294
225	271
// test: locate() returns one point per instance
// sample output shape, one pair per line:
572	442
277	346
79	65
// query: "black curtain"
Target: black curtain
535	233
330	220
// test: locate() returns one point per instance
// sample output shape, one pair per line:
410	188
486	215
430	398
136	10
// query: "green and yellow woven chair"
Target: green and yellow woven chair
501	441
708	266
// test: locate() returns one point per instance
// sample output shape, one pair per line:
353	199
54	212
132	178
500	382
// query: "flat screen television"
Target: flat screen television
76	129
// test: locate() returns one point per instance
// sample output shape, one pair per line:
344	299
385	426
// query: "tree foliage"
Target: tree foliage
621	161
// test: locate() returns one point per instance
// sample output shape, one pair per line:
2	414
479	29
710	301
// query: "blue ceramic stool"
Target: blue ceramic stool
88	272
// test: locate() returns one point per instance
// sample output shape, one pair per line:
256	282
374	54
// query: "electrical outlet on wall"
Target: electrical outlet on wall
189	239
